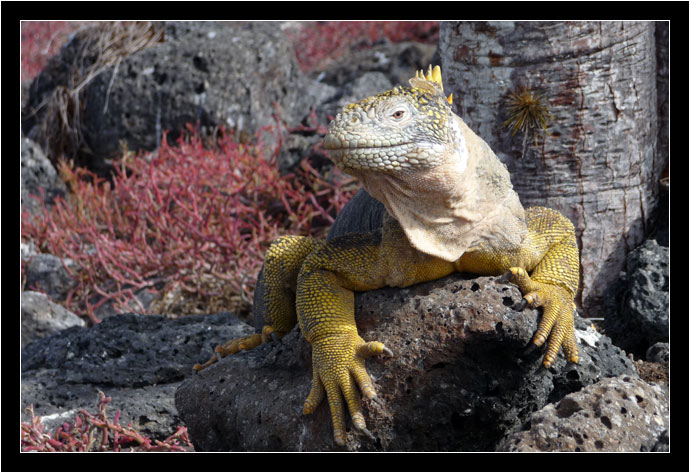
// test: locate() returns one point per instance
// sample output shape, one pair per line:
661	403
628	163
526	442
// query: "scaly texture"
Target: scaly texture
451	208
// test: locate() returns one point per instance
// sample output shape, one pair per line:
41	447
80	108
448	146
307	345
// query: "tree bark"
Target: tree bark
596	161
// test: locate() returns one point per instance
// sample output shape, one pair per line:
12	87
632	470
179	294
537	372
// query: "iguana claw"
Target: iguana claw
521	305
366	432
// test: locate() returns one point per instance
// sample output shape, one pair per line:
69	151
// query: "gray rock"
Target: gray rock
663	443
215	73
138	360
643	317
46	273
621	414
41	317
659	353
458	381
27	250
141	302
295	147
397	61
366	85
228	74
24	93
56	73
37	173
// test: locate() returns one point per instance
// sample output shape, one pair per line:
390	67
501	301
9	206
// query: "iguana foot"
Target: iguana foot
338	370
240	344
557	323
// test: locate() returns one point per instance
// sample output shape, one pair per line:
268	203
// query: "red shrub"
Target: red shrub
184	220
89	433
42	39
319	42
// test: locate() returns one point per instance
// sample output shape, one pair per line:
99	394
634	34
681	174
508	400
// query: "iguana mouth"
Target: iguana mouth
334	144
366	148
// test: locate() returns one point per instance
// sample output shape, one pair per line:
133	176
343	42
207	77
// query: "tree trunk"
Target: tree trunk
596	159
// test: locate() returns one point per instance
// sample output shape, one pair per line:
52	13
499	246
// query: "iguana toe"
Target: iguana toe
373	348
557	326
316	394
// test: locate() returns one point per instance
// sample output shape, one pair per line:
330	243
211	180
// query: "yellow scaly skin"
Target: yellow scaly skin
318	279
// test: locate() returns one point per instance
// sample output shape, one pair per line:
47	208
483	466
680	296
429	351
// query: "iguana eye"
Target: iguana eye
398	114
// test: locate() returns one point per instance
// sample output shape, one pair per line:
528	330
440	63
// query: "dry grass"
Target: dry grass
97	49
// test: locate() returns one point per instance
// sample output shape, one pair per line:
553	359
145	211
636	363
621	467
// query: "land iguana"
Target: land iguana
451	207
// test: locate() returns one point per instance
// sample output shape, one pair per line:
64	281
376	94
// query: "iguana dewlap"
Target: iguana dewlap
451	208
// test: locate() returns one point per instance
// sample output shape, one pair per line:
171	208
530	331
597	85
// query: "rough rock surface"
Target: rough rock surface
659	353
37	172
47	273
656	367
194	76
621	414
138	360
42	317
398	61
642	299
458	381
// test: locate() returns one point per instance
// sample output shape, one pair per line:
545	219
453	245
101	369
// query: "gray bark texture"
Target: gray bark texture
597	160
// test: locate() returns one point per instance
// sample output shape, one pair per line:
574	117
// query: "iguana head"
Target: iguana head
437	178
402	128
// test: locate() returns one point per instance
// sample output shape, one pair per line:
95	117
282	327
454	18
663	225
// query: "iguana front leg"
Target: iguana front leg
546	268
553	281
325	310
